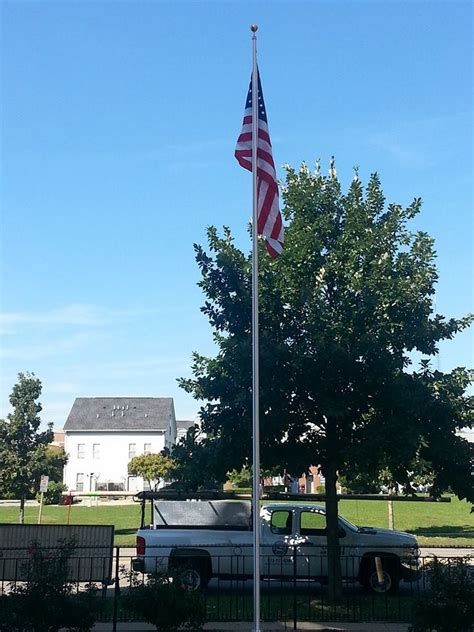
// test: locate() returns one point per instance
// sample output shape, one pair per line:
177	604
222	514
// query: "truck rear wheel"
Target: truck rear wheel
390	572
192	574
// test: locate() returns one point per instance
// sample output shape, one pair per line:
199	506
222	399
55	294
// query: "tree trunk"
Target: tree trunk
332	524
22	509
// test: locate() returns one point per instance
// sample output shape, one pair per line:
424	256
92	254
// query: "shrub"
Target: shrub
53	495
165	603
240	479
46	603
273	488
448	605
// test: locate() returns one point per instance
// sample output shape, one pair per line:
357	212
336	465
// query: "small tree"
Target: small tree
152	467
55	460
23	447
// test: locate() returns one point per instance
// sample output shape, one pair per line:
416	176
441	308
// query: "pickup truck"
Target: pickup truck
293	546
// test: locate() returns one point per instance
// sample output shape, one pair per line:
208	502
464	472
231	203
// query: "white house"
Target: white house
182	428
468	434
102	434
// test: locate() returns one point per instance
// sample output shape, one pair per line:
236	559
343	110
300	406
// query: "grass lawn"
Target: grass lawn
433	523
126	518
236	604
312	606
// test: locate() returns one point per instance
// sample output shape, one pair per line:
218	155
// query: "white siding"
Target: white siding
111	462
170	435
467	433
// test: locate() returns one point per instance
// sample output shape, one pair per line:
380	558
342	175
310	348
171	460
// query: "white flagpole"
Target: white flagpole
255	349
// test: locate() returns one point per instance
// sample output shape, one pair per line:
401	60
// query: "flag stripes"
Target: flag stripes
269	222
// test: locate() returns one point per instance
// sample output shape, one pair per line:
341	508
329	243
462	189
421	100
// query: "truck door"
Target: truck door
277	560
312	554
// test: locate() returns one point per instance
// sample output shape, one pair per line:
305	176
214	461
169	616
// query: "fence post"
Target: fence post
391	523
295	615
116	588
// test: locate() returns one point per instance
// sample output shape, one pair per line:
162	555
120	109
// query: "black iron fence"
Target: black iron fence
376	586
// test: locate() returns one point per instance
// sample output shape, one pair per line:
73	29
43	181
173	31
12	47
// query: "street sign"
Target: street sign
44	483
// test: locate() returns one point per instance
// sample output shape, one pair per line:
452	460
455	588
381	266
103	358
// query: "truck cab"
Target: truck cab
298	534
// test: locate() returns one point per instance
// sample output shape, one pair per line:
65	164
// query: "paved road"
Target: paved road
428	551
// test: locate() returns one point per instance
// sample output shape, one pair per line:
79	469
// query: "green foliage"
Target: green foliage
152	467
241	478
53	495
165	603
340	311
23	448
46	603
193	456
360	483
448	605
54	462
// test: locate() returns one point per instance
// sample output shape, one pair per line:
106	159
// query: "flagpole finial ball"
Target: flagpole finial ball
254	28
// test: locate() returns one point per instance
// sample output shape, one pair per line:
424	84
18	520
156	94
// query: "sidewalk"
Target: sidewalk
268	627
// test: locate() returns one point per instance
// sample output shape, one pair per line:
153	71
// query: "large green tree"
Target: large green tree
23	447
342	312
198	462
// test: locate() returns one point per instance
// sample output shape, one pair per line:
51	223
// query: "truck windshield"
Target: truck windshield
349	525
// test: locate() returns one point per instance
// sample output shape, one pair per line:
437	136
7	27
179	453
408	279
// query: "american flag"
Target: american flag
269	223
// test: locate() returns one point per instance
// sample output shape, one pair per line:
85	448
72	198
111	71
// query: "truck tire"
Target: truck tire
391	575
193	574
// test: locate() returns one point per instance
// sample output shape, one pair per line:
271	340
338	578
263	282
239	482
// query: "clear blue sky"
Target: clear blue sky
119	121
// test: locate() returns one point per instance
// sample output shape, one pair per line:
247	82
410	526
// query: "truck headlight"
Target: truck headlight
410	552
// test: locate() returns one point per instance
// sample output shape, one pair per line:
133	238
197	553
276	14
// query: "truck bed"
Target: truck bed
203	527
222	515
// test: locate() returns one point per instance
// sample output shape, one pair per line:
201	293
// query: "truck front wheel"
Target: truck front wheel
390	576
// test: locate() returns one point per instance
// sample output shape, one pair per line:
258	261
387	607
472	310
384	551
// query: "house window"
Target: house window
147	448
96	450
110	486
81	449
132	450
79	482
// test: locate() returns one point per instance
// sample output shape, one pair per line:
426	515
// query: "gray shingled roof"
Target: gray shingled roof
182	424
119	413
